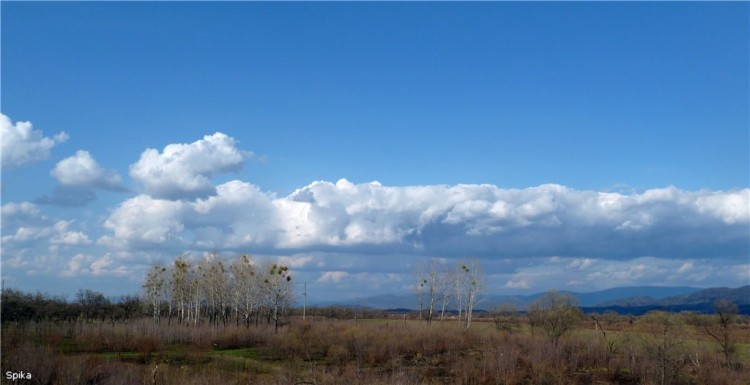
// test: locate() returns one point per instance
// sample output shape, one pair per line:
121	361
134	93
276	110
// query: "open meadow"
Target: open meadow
395	350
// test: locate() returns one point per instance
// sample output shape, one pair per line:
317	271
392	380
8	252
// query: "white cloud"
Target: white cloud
731	209
521	284
332	276
23	224
68	238
78	265
101	265
27	234
296	262
634	272
538	274
23	209
106	266
184	170
81	170
85	265
182	208
581	263
742	272
21	144
240	212
145	221
687	266
548	220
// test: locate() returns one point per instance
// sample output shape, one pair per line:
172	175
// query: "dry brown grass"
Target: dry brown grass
347	352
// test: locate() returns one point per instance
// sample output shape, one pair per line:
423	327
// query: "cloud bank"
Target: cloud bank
365	236
478	220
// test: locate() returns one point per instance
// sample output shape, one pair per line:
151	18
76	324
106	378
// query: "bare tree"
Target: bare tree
196	294
458	279
218	291
153	289
444	292
181	287
214	282
719	327
246	289
609	317
277	287
505	318
664	350
555	314
431	280
419	287
474	287
92	303
427	284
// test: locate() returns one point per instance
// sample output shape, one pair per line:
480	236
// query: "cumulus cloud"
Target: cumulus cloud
183	171
18	214
182	208
107	266
63	236
480	220
40	245
26	234
21	144
81	170
145	221
24	223
78	265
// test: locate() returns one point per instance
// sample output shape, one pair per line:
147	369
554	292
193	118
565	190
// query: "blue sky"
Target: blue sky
615	135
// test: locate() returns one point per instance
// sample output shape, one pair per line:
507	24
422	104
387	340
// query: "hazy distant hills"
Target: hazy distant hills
740	296
603	296
633	300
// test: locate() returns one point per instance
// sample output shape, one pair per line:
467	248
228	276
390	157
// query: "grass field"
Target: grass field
372	351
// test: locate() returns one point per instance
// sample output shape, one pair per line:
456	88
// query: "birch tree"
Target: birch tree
445	292
419	287
432	281
180	286
246	288
474	287
278	292
153	287
216	288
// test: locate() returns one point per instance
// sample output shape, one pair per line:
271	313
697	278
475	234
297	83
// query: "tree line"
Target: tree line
215	292
88	305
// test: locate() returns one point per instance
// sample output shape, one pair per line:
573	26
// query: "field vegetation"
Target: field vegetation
332	347
217	323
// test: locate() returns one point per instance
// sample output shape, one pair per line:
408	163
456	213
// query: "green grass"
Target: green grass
246	353
244	359
120	356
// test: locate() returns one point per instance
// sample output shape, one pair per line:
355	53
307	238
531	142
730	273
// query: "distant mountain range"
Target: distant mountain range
740	296
699	301
629	300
